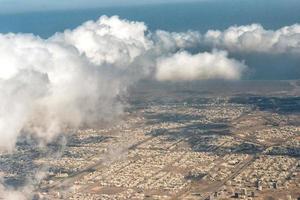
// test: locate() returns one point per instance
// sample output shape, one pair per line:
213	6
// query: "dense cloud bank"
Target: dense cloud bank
187	67
254	38
78	77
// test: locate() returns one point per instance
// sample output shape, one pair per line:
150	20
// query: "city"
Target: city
194	146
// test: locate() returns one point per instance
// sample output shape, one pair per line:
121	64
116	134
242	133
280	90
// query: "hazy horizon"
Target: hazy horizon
19	6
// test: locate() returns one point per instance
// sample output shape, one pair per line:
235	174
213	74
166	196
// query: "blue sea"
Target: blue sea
213	14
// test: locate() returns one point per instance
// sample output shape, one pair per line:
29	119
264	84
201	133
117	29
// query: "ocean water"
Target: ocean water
200	16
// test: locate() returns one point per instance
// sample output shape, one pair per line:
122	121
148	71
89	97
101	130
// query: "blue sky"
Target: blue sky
16	6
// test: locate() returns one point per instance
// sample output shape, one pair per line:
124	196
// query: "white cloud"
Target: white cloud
185	66
108	40
254	38
76	77
172	41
